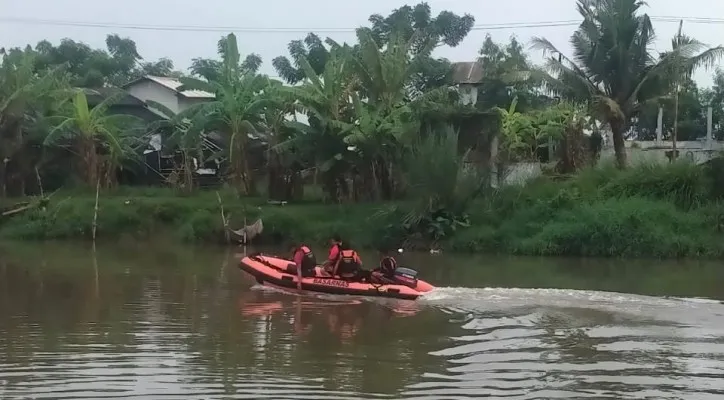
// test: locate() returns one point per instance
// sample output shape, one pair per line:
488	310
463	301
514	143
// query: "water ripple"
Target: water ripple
525	344
172	339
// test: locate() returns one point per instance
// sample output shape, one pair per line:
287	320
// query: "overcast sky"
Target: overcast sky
181	46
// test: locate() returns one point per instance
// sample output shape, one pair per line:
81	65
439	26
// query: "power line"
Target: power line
197	28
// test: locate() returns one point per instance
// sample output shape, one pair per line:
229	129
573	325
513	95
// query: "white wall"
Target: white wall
147	90
185	102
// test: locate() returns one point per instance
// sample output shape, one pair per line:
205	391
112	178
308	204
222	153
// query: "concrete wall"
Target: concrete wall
148	90
654	151
468	93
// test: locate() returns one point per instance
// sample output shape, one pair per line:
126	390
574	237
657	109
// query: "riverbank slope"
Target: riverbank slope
647	211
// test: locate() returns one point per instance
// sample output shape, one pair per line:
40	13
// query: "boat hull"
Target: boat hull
279	272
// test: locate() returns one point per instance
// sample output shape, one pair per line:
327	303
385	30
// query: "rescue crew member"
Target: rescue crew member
303	258
343	261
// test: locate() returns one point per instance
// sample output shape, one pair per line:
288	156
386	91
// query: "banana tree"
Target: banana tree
236	110
178	134
98	138
284	179
378	137
25	95
325	99
517	130
383	74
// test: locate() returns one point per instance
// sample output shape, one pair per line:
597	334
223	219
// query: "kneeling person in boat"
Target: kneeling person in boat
303	258
343	261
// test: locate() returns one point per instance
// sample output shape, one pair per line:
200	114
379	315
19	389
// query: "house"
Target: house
467	76
125	105
164	90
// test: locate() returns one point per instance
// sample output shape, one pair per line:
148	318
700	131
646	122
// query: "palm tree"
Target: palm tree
682	73
101	140
237	109
613	70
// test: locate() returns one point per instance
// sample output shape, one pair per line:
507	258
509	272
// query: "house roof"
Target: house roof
97	95
174	84
467	72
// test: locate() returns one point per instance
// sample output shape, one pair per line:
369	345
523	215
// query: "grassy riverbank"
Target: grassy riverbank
672	211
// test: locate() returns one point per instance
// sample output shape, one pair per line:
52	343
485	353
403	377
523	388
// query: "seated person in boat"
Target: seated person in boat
303	257
343	261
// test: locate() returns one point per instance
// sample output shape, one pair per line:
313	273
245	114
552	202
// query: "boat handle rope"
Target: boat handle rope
377	287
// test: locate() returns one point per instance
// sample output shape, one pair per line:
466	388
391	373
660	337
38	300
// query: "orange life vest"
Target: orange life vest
309	261
348	263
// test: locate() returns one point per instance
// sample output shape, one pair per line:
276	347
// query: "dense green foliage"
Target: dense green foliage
646	211
613	69
376	120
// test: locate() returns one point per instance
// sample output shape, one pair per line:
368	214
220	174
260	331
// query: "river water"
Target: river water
154	321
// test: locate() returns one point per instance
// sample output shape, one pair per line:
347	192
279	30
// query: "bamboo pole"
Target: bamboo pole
95	211
40	181
224	221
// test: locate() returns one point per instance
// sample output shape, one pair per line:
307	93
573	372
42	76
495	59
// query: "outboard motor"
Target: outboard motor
406	276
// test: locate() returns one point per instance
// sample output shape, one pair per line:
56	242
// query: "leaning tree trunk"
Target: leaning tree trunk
188	172
241	171
619	145
277	185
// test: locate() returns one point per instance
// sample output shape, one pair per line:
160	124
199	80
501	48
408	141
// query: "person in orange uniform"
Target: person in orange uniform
343	261
303	258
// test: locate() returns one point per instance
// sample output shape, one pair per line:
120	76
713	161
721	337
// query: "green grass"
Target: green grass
646	211
192	218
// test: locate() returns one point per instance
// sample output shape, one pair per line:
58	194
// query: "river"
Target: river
157	321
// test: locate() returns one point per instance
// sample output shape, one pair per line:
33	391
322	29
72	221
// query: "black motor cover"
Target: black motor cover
406	276
407	272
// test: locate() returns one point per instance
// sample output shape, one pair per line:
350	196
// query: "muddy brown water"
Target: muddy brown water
157	321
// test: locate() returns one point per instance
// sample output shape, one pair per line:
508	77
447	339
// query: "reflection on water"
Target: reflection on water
163	322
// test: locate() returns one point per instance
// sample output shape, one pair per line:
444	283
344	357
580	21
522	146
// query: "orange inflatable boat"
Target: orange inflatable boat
279	272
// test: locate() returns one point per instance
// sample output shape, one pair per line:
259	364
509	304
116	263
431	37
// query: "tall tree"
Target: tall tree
715	97
311	49
414	24
682	73
613	69
217	70
503	67
25	96
424	32
117	64
161	67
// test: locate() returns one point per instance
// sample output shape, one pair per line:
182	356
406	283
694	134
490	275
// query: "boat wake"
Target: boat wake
473	300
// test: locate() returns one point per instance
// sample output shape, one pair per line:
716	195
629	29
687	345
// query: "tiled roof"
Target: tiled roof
467	72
